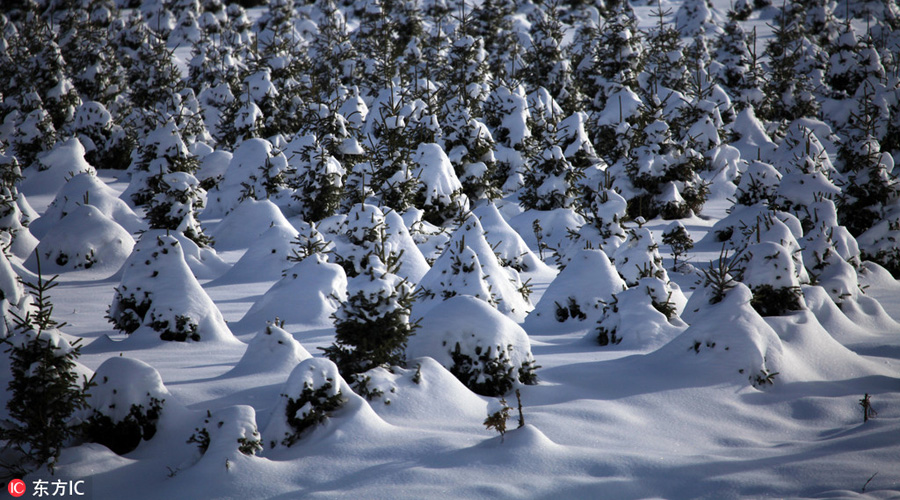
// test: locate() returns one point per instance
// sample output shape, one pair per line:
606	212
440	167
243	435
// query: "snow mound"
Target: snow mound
272	350
265	260
811	354
308	294
413	265
509	246
231	433
748	351
555	227
86	189
246	223
425	390
470	338
352	419
125	382
159	298
574	298
83	239
504	283
643	316
203	261
254	163
753	141
55	167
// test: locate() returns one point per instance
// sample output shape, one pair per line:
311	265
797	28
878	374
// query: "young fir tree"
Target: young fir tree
733	55
390	149
175	205
663	174
320	181
664	63
106	144
551	181
376	41
153	76
492	21
46	393
89	52
373	325
788	91
163	151
332	53
546	64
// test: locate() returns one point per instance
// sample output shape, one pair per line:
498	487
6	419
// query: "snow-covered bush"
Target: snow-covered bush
45	384
770	273
638	257
748	351
456	267
679	240
83	239
311	394
86	189
273	350
317	284
646	314
227	435
372	326
173	206
440	194
158	295
124	404
487	351
578	292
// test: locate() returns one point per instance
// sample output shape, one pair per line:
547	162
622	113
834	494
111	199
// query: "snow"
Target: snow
156	274
246	223
65	160
308	294
123	382
589	270
86	189
85	239
701	398
470	326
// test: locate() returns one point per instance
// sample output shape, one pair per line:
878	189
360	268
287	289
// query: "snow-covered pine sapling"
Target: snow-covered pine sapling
497	419
125	404
722	275
124	436
770	273
372	326
200	437
173	206
45	391
311	408
679	240
868	411
309	241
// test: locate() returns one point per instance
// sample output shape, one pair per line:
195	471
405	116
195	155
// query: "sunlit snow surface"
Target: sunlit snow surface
670	417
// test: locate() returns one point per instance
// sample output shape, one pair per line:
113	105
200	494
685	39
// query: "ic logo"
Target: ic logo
16	487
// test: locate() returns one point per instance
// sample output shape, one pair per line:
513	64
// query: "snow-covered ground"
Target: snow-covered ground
622	423
651	382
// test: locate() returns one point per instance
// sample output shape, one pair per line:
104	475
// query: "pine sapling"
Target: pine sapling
45	391
678	238
497	420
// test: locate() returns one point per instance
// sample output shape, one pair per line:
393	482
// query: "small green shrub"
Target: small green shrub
320	405
124	436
